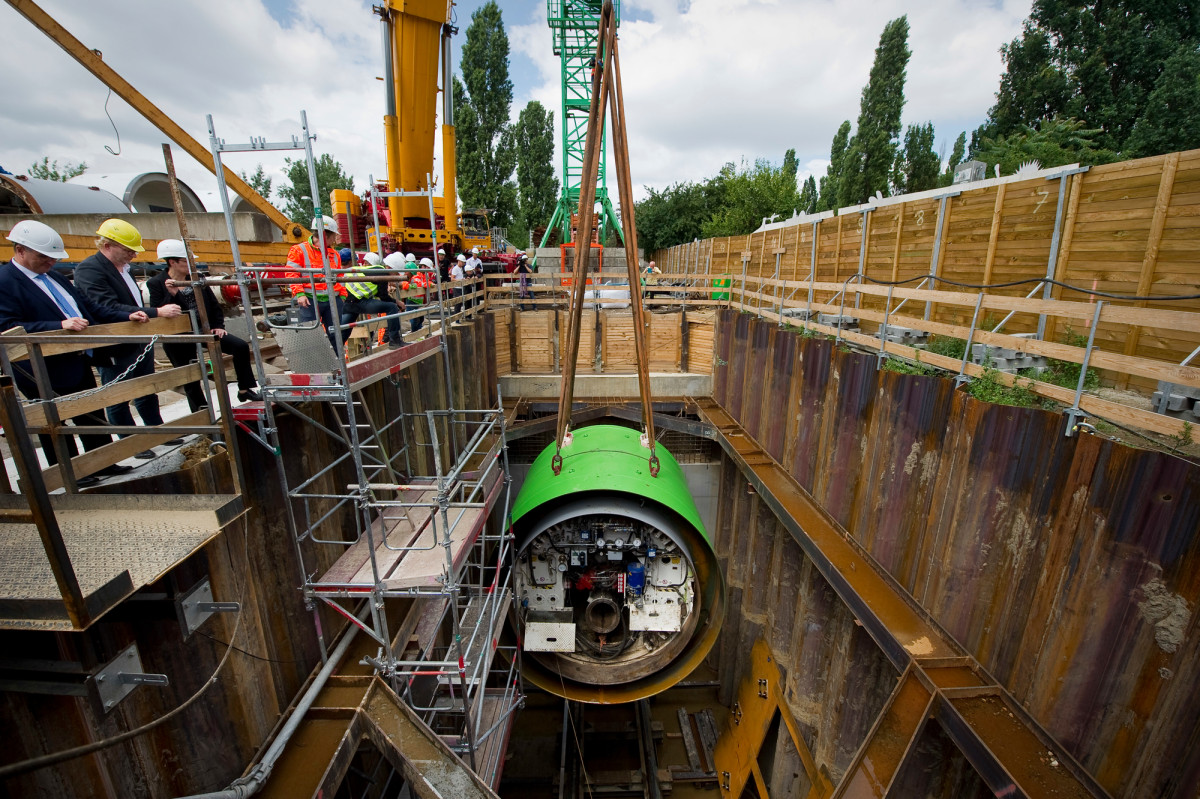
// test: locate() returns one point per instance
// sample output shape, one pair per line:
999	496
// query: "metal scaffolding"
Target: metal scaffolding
407	533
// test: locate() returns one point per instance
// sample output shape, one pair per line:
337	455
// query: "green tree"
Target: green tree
1097	61
808	196
537	184
956	158
296	194
1171	120
867	165
260	182
47	170
752	193
917	165
790	165
677	214
1054	143
831	183
486	154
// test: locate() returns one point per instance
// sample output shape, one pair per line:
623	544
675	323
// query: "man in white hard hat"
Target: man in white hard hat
312	296
371	294
171	285
105	279
457	274
473	269
35	297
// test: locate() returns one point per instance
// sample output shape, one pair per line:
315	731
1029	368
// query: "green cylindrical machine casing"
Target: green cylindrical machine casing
605	464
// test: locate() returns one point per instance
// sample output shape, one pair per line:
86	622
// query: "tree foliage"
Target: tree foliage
808	195
917	165
831	183
752	193
260	182
1171	120
867	164
956	157
296	193
676	214
487	152
1099	62
537	184
50	170
1054	143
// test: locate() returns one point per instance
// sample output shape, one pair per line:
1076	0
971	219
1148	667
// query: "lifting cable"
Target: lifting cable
606	89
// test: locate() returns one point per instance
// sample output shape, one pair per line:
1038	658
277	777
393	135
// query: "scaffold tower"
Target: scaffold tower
399	518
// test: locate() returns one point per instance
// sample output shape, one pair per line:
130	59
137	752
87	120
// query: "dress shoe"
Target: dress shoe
249	395
114	470
174	442
90	480
146	455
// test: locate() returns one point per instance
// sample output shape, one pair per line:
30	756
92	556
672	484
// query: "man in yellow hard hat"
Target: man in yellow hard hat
104	278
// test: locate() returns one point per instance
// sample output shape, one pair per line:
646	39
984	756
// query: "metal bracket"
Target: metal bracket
117	678
197	605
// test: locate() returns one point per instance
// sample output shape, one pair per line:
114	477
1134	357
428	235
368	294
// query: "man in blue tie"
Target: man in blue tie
38	299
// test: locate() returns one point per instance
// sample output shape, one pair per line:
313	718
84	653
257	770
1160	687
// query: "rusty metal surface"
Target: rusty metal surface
1066	567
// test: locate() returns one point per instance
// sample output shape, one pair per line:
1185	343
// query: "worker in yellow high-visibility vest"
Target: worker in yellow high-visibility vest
371	295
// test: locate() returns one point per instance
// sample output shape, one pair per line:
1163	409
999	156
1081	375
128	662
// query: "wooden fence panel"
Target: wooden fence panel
1123	230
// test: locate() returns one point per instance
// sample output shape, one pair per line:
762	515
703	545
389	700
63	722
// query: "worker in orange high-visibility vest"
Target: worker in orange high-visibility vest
313	296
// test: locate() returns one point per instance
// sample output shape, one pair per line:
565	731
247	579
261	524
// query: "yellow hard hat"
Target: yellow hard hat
122	233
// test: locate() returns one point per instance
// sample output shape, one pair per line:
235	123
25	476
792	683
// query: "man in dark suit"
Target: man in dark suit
38	299
171	286
105	280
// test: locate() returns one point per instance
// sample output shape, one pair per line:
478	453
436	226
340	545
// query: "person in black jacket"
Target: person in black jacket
105	280
168	287
35	297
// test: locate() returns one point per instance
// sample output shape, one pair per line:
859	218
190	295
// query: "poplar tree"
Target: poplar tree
830	184
486	152
808	196
917	165
1171	120
956	157
537	184
868	162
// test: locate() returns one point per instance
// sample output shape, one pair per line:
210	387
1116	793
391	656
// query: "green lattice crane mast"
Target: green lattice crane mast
574	24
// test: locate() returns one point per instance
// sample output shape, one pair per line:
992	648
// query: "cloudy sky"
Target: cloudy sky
706	81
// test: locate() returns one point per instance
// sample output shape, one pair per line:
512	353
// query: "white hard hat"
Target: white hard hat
426	262
410	258
474	251
325	222
441	252
39	237
171	248
394	261
461	257
373	259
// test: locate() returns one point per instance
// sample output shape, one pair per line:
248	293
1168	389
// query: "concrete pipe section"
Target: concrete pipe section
619	594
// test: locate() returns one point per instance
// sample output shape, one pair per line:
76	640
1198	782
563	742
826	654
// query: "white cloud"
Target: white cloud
705	82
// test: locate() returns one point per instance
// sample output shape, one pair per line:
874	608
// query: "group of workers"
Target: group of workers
35	297
362	293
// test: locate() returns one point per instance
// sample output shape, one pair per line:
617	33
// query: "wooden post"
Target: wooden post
1064	248
1166	185
837	252
899	235
994	238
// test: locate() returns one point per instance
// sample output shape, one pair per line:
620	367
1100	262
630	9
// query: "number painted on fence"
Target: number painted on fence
919	216
1045	195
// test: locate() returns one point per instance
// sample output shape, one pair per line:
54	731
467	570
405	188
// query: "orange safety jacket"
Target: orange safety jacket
307	255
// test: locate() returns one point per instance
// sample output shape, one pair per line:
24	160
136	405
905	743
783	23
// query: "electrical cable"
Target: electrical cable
114	126
33	764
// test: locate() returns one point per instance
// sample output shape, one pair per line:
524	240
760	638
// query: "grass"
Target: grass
947	345
989	388
1066	373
